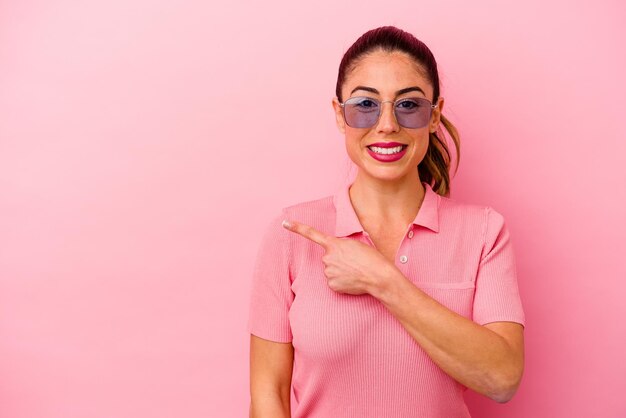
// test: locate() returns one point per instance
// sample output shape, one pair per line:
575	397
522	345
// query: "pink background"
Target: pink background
144	145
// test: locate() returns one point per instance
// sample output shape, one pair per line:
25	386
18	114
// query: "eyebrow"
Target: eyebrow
399	92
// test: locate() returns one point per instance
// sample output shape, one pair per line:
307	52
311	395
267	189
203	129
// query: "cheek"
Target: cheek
353	143
421	146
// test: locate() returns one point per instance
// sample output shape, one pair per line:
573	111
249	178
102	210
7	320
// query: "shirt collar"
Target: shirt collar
348	223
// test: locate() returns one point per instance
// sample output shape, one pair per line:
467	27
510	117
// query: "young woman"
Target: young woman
388	298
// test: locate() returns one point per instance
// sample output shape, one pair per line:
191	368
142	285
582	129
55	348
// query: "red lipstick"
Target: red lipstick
385	144
384	156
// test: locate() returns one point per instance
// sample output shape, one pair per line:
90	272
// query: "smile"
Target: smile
387	151
387	155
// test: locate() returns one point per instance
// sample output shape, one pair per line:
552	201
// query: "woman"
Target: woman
388	298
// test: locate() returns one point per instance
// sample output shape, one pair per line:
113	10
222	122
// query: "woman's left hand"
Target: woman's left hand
351	266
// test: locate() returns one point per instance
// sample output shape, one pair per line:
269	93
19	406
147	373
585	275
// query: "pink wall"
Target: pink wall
145	144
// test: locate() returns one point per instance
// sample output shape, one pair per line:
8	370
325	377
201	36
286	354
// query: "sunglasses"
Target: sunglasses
364	112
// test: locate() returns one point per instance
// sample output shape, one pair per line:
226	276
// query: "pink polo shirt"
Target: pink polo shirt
352	357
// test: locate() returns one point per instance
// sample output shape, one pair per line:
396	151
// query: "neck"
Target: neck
394	202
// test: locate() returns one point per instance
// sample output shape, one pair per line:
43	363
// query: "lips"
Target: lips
385	144
387	158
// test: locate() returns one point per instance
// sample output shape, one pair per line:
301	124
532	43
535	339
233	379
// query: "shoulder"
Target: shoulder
314	212
318	213
311	211
456	209
459	214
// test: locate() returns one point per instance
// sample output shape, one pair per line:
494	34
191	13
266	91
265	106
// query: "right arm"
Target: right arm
271	365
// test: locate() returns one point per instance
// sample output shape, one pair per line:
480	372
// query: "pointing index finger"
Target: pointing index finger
308	232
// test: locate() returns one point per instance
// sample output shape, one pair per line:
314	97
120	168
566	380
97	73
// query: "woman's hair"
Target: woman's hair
435	167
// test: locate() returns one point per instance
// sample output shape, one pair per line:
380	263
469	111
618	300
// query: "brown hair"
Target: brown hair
435	167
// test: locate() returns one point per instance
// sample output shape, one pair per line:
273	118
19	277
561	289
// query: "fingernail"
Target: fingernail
286	224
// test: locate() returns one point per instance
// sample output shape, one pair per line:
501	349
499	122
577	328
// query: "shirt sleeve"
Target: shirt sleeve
271	295
497	295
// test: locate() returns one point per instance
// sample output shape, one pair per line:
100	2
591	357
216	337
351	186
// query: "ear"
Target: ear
341	123
436	117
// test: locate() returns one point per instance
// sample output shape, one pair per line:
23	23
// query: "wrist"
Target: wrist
384	285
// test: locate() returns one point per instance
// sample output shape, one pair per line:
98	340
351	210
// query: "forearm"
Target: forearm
270	407
470	353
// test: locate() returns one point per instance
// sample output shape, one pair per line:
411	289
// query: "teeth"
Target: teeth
386	151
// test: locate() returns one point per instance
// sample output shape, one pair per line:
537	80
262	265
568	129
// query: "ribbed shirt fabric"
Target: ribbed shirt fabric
352	357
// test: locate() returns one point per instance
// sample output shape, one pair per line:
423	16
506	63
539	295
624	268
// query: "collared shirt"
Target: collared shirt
352	357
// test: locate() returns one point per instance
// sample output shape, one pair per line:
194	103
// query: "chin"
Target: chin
389	173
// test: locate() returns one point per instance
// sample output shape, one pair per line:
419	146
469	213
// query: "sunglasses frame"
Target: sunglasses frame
343	109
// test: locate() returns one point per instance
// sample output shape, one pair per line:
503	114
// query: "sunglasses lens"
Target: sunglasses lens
413	113
363	112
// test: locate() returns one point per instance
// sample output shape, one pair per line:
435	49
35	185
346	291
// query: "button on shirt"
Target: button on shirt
352	357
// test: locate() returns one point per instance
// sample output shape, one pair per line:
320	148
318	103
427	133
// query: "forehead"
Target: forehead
387	72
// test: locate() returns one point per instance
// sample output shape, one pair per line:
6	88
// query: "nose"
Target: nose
387	120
